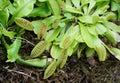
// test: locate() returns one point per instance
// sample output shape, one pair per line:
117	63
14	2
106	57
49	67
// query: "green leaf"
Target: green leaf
89	52
112	26
36	25
80	49
68	2
71	9
119	14
66	42
23	8
48	21
42	11
55	51
88	19
70	51
92	4
73	31
76	3
9	34
33	62
92	30
84	2
4	15
111	36
87	37
42	0
56	23
4	4
50	69
113	51
100	28
114	6
12	51
110	16
68	15
0	32
52	34
71	34
38	49
101	8
101	51
116	52
79	38
42	30
62	59
55	7
24	23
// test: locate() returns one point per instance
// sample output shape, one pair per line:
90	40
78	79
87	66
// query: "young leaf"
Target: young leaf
24	23
50	69
38	49
12	51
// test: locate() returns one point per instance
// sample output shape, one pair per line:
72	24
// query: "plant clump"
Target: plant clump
64	27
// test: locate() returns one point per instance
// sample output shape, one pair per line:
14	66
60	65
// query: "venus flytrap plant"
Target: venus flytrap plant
92	18
66	27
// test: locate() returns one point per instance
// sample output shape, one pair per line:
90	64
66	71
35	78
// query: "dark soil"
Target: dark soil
75	71
83	70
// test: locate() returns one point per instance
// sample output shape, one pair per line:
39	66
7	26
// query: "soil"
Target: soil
83	70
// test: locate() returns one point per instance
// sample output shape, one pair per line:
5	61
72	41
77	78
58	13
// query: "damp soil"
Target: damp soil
83	70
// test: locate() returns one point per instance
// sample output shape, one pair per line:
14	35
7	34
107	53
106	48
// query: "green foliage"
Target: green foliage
115	6
64	27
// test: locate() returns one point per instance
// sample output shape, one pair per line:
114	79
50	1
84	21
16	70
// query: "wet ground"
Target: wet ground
75	71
